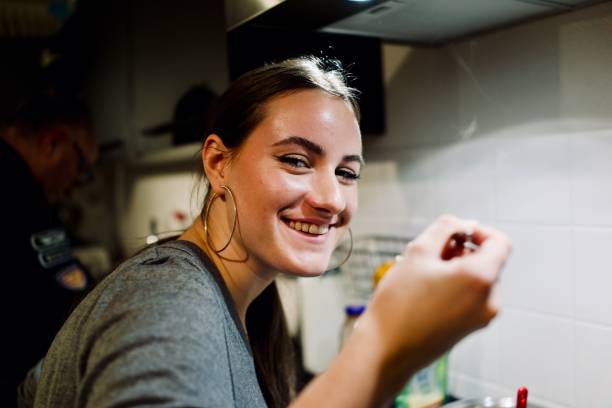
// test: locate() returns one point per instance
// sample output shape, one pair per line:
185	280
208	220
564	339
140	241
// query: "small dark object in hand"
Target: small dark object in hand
458	244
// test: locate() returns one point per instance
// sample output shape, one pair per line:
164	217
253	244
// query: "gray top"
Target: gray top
162	331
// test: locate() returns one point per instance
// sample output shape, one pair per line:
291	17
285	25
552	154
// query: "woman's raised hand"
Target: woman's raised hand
428	300
432	297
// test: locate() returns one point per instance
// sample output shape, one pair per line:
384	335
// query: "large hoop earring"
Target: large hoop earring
205	220
348	255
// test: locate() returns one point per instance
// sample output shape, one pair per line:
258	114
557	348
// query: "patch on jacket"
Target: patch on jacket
52	247
48	238
72	277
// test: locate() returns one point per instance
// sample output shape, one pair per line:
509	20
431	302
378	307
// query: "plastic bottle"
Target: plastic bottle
427	388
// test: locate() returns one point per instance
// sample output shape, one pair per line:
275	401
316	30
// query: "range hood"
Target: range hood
409	21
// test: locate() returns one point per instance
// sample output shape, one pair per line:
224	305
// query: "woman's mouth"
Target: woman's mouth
309	228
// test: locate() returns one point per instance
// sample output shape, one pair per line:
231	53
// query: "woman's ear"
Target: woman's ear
215	159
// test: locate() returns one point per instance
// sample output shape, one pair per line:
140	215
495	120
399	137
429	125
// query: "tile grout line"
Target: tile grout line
558	318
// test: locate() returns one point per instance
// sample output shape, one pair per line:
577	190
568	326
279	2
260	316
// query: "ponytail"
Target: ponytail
272	348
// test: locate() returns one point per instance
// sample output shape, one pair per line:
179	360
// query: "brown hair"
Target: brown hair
236	114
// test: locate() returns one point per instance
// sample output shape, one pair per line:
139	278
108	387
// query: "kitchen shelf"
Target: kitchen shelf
183	154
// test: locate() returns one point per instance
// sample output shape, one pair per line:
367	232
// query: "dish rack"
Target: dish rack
369	252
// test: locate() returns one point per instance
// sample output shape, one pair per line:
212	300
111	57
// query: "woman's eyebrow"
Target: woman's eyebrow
354	158
305	143
315	148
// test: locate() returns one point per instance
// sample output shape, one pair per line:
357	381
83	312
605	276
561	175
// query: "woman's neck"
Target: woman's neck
242	277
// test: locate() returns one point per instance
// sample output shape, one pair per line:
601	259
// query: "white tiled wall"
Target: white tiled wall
593	280
593	355
590	179
515	129
537	350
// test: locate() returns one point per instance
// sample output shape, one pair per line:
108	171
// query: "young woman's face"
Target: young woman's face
295	182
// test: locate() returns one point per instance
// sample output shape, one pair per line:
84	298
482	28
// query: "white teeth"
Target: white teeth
310	228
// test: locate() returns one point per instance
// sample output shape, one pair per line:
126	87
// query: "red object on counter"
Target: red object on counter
521	398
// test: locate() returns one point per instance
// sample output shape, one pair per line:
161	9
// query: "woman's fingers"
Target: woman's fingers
435	239
487	261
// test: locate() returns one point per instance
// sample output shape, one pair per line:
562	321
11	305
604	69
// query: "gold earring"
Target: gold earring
346	258
205	220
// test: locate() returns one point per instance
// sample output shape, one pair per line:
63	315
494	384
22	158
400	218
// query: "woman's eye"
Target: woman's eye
294	161
348	175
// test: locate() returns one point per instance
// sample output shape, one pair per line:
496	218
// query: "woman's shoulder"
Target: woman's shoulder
159	314
175	264
169	278
177	254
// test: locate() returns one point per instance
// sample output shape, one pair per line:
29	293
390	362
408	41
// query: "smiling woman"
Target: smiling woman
198	322
309	180
297	167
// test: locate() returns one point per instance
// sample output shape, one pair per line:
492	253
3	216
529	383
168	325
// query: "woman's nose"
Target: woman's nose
326	194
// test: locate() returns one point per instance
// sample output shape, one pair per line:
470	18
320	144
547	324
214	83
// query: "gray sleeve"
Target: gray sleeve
164	346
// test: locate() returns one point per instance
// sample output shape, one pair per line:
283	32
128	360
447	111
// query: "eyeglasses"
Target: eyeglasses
85	170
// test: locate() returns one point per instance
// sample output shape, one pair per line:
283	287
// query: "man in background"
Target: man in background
46	148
